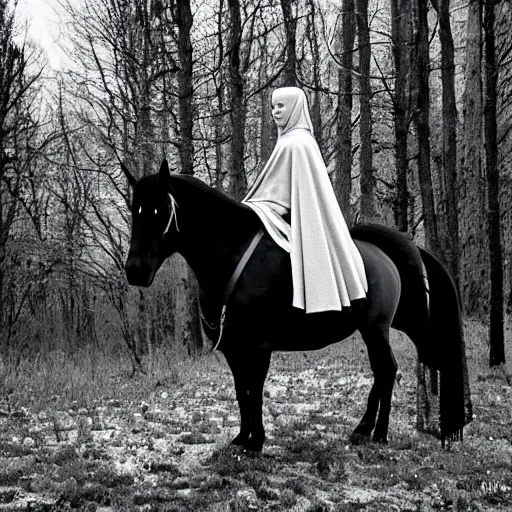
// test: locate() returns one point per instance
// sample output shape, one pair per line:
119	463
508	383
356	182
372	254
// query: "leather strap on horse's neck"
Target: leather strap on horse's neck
234	279
241	265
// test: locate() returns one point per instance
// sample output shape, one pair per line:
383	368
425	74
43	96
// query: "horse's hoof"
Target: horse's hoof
239	440
380	439
357	438
254	445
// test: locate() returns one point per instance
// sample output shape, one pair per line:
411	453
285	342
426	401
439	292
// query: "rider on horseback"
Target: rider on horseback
295	201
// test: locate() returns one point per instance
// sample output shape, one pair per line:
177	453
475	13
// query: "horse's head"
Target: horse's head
153	221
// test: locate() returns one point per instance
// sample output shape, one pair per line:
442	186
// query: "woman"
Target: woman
294	199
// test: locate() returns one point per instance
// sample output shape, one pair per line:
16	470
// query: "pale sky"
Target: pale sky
43	22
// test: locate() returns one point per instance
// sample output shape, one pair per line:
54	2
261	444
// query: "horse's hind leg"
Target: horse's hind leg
384	368
387	360
249	373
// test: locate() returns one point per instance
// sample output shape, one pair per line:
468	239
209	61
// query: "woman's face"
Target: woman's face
281	109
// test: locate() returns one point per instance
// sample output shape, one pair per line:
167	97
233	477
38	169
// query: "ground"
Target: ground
159	442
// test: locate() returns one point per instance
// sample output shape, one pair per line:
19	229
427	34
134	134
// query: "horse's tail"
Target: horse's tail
447	352
429	313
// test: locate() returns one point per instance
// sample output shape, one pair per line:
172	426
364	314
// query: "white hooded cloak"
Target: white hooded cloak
327	268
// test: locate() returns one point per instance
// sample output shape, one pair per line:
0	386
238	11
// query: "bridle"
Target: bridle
174	205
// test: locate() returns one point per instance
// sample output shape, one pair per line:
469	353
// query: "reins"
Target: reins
230	287
232	281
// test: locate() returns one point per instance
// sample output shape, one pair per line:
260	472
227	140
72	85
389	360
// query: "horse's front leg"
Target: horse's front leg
249	373
240	377
258	362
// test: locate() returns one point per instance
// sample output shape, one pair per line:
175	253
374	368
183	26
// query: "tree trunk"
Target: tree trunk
145	136
449	237
187	324
474	269
290	26
3	241
146	155
267	127
341	177
316	103
421	120
402	38
427	400
268	131
503	40
368	211
427	418
497	321
220	170
15	90
237	180
184	22
187	327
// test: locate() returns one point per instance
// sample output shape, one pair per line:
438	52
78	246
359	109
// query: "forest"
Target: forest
110	398
411	104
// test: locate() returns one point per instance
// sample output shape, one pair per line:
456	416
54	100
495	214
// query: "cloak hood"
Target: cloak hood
297	109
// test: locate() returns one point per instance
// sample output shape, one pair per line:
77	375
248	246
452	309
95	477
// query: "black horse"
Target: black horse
212	231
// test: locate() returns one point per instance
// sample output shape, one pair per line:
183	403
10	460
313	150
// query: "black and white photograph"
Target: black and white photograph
255	255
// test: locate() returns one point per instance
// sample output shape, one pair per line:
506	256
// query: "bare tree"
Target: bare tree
182	17
237	182
449	237
267	126
19	130
313	49
290	25
118	89
401	33
474	245
188	328
496	321
503	40
368	211
341	176
422	121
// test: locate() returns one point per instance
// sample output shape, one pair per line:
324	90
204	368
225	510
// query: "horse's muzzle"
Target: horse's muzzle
139	273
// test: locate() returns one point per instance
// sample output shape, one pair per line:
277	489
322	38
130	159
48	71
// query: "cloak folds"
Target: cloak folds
327	269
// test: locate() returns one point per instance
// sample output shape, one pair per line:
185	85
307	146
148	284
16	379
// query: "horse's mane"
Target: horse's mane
213	193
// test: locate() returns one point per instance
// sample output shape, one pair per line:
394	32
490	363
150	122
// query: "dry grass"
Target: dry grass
307	462
85	377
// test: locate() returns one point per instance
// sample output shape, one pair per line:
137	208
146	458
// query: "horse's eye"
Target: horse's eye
140	210
155	211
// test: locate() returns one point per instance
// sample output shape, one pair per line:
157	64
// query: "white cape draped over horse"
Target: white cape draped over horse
327	269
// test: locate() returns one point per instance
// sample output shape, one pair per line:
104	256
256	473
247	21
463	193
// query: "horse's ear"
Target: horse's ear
131	179
164	176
